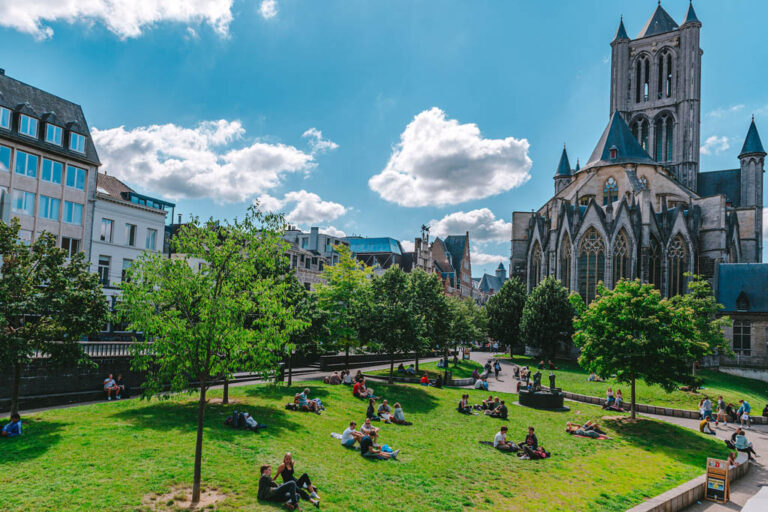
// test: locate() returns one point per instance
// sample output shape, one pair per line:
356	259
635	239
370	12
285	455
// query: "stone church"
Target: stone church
640	206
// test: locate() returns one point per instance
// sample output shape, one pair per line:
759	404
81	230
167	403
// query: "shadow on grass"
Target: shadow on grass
38	436
272	392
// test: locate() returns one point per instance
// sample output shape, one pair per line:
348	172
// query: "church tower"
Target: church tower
752	160
656	87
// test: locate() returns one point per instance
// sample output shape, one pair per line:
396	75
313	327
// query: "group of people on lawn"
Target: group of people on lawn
290	490
527	450
115	387
492	407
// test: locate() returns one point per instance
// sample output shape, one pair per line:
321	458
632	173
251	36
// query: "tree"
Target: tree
431	312
315	332
632	332
505	311
48	302
233	306
547	317
468	322
343	296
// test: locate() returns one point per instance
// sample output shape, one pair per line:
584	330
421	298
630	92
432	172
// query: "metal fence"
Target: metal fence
101	349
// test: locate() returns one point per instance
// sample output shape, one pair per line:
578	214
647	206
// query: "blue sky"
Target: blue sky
301	103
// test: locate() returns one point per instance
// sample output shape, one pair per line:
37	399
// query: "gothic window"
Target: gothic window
536	260
677	263
654	263
610	191
664	66
668	77
640	129
591	264
584	200
565	263
742	337
642	78
620	258
664	133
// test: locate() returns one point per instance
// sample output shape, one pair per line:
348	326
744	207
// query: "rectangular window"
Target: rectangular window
73	213
151	239
130	235
71	245
26	164
75	177
5	158
53	134
77	142
23	202
106	230
52	171
742	337
5	205
104	262
126	265
28	126
5	118
49	207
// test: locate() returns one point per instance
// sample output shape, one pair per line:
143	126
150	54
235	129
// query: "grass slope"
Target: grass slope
108	456
462	371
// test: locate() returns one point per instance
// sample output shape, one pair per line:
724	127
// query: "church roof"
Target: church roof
750	280
564	167
752	143
690	16
490	282
621	32
500	267
618	136
659	22
726	182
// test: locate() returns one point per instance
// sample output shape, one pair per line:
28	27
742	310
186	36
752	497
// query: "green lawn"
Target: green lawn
462	371
571	377
108	456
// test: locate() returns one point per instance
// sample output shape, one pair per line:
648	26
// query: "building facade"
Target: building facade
310	252
380	253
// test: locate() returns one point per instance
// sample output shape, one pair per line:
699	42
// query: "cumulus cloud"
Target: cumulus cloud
439	161
198	162
715	144
481	258
317	142
721	112
268	9
124	18
482	224
408	245
330	230
305	207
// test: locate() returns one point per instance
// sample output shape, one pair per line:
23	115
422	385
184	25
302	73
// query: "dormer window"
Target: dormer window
28	126
77	142
53	134
5	118
613	152
742	302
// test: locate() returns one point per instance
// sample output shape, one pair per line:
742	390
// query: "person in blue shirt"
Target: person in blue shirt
743	413
13	428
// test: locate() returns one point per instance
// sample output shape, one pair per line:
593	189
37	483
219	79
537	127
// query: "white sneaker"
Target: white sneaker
314	495
394	454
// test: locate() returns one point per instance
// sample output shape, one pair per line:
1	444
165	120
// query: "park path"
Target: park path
741	490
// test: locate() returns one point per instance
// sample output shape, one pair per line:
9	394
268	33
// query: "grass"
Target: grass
462	371
108	456
573	378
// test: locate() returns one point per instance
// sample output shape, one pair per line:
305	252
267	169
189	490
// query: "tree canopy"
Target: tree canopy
505	311
547	320
431	312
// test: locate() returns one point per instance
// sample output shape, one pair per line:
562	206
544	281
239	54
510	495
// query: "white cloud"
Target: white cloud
482	224
715	144
408	245
307	208
481	258
198	162
721	112
268	9
439	161
330	230
124	18
317	142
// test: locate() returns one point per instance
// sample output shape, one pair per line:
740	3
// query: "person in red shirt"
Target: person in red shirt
424	380
356	389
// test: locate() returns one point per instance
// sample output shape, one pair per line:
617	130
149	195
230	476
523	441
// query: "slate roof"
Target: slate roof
564	167
726	182
18	96
374	245
618	135
109	187
621	32
455	245
490	282
752	143
690	15
659	22
749	278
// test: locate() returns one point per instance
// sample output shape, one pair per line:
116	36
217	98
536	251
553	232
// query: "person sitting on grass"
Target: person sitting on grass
424	380
400	368
384	412
551	365
305	404
743	413
399	417
369	430
360	391
359	376
609	399
13	427
350	435
346	378
464	407
594	378
411	370
542	365
367	450
577	430
500	441
369	413
270	491
499	412
705	427
530	439
286	470
110	388
482	384
333	379
742	445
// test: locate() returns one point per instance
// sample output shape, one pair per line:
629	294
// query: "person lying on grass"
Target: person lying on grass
384	412
499	412
350	435
286	470
577	430
13	427
705	427
369	430
464	407
367	450
398	416
500	441
370	412
270	491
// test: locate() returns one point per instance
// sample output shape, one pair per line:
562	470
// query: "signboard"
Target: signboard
718	482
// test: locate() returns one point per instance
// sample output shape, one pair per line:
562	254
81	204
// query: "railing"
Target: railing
100	349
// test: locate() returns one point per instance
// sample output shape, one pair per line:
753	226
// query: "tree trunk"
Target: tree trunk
16	386
445	374
225	396
694	368
633	398
290	369
346	360
199	444
391	366
417	361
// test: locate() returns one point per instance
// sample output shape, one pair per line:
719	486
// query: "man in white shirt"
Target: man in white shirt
500	441
111	388
482	384
350	435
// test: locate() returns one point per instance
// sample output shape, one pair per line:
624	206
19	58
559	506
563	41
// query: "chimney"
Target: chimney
2	72
179	218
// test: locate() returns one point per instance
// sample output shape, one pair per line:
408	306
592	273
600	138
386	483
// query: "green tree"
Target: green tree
469	322
235	306
505	311
432	316
632	332
308	339
48	302
547	319
343	296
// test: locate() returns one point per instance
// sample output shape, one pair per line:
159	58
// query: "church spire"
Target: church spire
621	32
564	167
659	22
690	16
752	143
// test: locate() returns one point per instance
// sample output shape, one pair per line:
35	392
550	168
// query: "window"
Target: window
53	134
664	133
640	129
654	263
677	264
130	235
642	78
742	337
73	213
151	239
49	207
106	230
620	258
5	158
28	126
591	264
536	261
610	191
104	262
75	177
77	142
52	171
5	205
5	118
565	263
304	242
71	245
23	202
126	265
644	182
26	164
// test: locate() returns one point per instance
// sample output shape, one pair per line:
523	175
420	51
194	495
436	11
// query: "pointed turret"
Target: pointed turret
578	167
659	22
752	144
621	32
690	16
564	167
617	145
